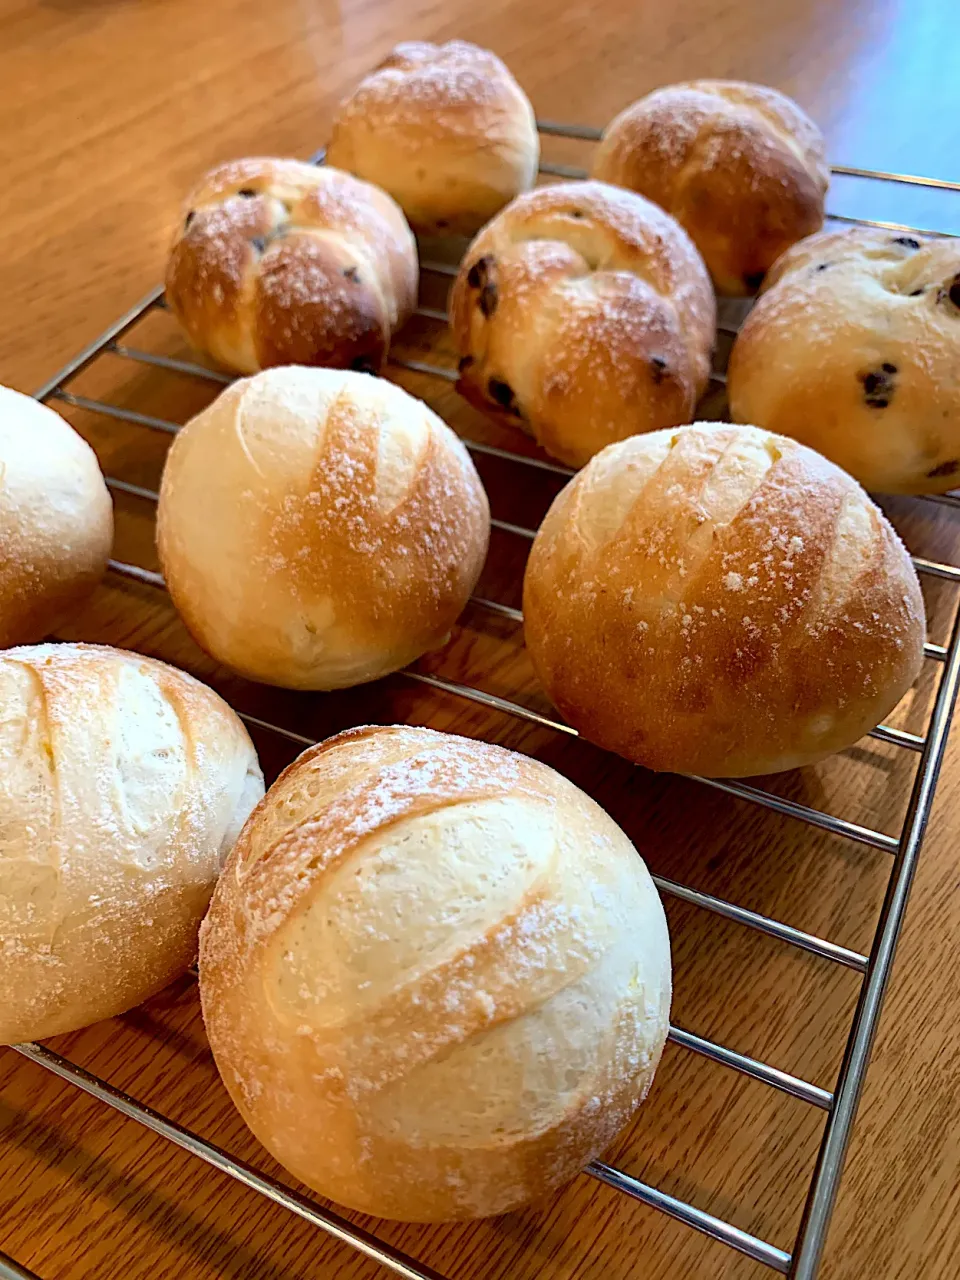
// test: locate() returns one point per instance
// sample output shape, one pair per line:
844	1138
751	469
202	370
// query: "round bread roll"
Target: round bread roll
123	784
740	166
854	349
583	314
435	975
319	528
721	601
280	262
445	129
56	519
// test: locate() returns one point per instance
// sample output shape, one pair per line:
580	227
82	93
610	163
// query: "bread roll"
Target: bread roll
583	314
123	782
319	529
854	349
445	129
435	975
56	519
279	262
720	601
740	166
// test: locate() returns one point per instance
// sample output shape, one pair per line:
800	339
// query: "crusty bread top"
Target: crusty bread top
123	785
740	165
717	510
587	229
445	129
690	105
319	524
853	348
279	262
587	311
56	518
725	572
904	264
454	90
109	770
400	892
864	286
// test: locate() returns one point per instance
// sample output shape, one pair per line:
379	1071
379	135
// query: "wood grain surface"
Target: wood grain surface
109	109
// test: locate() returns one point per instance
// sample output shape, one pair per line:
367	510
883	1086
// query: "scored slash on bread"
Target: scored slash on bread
722	601
319	528
435	975
122	790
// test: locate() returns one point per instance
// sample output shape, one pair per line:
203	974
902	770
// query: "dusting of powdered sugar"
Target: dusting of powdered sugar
121	845
271	251
447	84
601	270
784	590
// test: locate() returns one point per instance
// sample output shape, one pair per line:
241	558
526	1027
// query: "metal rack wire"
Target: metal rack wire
10	1270
839	1104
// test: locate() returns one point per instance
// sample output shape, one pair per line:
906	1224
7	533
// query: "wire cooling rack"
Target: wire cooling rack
838	1104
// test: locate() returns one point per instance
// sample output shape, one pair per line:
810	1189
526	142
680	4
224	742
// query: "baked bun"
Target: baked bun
740	166
445	129
854	349
123	783
279	262
721	601
583	314
319	528
435	975
56	519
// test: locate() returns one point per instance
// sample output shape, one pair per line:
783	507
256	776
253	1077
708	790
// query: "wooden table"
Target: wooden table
110	109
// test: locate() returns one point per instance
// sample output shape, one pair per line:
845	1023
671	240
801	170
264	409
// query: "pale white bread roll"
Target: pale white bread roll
56	519
721	601
739	165
583	314
319	528
854	349
445	129
281	262
123	784
435	975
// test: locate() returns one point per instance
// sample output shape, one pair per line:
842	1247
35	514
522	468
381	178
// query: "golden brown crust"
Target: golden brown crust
319	528
56	519
721	601
280	262
740	166
853	349
123	783
445	129
587	314
435	975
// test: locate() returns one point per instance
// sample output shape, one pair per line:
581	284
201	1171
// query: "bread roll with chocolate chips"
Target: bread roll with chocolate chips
583	314
854	349
435	975
319	528
123	783
56	519
721	601
445	129
740	166
279	262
